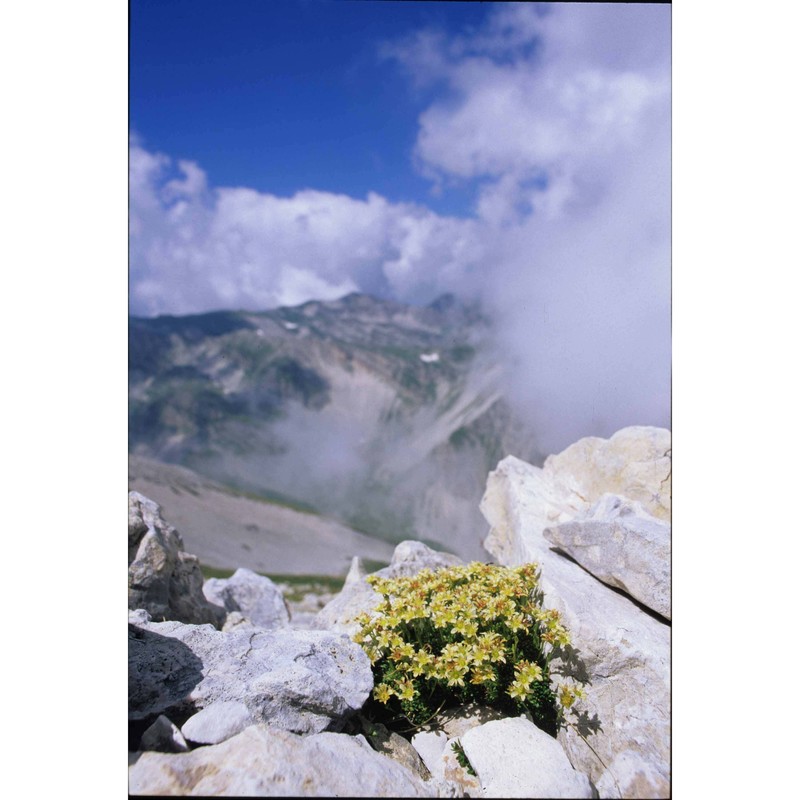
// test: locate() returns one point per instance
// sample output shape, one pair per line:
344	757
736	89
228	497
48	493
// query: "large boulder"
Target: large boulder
623	546
621	649
162	578
264	762
358	596
636	462
302	681
254	596
514	758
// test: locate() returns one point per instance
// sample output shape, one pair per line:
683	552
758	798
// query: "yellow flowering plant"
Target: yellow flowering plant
472	633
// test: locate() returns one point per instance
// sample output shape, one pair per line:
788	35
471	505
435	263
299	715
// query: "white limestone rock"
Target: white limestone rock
264	762
623	546
635	462
514	758
301	681
455	722
162	578
436	750
217	722
638	778
355	597
254	596
410	557
430	746
624	651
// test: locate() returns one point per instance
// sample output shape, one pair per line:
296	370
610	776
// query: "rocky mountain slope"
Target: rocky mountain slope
384	416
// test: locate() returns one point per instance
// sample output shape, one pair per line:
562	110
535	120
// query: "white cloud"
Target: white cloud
193	248
562	114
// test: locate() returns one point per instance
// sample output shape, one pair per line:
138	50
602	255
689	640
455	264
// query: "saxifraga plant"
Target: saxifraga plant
473	633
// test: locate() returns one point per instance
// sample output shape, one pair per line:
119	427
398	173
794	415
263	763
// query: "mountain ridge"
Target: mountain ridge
382	415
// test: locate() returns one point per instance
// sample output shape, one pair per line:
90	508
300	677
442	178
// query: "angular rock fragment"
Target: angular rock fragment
163	737
357	596
162	578
623	546
217	722
254	596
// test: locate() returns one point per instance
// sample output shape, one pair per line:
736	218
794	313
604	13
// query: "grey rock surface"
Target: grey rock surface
301	681
391	744
514	758
162	670
264	762
254	596
623	546
162	578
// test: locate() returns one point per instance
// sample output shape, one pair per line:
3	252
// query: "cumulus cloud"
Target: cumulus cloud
195	248
560	117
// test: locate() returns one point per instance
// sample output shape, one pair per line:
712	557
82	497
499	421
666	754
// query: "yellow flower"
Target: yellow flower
493	644
444	618
517	691
516	622
390	619
405	690
482	674
421	663
528	672
569	694
402	650
382	692
455	675
566	696
375	654
466	627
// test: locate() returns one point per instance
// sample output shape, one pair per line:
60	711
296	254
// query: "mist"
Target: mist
559	118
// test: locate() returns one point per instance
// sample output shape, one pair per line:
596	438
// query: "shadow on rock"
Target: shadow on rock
570	664
162	672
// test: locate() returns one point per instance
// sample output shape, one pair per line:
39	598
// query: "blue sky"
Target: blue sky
281	96
514	153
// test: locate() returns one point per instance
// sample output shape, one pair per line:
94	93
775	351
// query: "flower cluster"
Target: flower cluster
469	633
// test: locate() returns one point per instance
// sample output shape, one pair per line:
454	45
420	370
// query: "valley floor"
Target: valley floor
227	531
